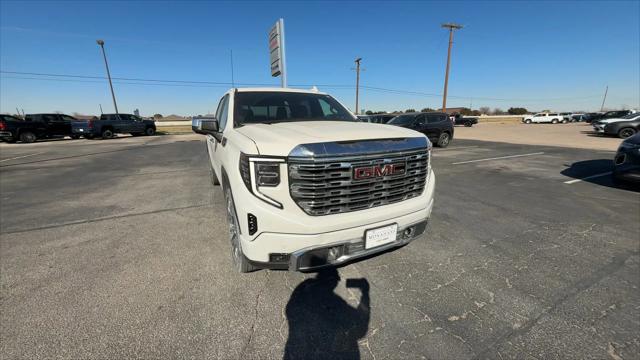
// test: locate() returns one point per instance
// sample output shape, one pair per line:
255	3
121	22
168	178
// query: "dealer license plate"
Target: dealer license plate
380	236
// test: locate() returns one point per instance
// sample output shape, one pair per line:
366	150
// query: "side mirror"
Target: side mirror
209	126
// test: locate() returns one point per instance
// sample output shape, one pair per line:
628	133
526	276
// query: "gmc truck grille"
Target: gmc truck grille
339	185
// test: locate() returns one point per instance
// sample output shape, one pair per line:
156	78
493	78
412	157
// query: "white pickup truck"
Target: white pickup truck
553	118
306	185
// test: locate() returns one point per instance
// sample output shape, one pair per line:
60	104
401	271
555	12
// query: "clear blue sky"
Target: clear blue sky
540	55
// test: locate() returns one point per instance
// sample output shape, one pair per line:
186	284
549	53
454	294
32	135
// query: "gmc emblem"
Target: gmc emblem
374	171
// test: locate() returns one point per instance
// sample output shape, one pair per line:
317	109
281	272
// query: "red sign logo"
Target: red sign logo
374	171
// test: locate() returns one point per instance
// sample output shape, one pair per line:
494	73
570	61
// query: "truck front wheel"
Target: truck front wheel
240	262
27	137
107	134
150	131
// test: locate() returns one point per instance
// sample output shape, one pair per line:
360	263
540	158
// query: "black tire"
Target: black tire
74	136
443	140
27	137
239	261
150	131
554	121
528	121
626	132
564	121
468	124
107	134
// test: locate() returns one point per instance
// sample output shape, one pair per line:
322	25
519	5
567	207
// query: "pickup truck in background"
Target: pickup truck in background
35	126
111	124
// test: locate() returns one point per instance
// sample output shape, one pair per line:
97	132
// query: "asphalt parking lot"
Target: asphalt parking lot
113	249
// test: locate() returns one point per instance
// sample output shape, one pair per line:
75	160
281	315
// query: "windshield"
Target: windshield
402	120
273	107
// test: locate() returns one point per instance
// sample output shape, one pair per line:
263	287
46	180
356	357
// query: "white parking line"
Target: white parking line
456	148
496	158
20	157
588	177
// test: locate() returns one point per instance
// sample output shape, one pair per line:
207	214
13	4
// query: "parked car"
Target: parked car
591	117
36	126
610	115
435	125
626	163
622	129
110	124
599	125
577	117
566	116
380	118
553	118
306	185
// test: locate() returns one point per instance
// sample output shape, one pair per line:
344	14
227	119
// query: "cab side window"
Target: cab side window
223	112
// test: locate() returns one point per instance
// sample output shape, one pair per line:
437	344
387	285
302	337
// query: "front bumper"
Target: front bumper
321	256
627	165
6	135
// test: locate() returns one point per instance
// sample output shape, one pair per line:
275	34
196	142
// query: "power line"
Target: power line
191	83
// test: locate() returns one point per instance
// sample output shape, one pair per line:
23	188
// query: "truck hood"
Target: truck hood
280	138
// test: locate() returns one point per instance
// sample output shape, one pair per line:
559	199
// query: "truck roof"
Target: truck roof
279	89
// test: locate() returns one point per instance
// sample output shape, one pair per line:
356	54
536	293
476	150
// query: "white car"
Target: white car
598	126
553	118
306	185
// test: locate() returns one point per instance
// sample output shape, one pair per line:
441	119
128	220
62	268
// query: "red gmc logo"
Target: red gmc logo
374	171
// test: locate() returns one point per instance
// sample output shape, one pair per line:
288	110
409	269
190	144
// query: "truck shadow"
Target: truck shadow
322	325
584	169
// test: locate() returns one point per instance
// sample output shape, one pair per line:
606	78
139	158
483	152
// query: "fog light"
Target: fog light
253	223
278	258
408	232
334	253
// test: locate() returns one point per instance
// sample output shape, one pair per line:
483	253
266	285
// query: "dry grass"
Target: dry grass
173	130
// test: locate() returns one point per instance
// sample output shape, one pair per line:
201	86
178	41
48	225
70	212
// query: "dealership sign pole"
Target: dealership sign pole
277	53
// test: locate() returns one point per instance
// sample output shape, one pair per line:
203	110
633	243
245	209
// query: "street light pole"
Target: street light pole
357	82
451	27
113	95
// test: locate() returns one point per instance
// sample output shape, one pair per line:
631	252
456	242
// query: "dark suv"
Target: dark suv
436	125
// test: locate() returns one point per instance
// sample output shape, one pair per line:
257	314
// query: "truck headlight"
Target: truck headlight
260	171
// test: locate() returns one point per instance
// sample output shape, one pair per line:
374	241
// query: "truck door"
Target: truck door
66	123
214	142
432	127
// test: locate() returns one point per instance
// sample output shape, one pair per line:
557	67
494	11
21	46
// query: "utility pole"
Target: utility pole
100	109
451	27
357	82
232	81
604	98
101	43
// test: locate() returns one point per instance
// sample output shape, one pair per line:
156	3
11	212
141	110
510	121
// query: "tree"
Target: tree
465	111
517	111
427	109
410	110
485	110
498	111
476	113
157	116
369	112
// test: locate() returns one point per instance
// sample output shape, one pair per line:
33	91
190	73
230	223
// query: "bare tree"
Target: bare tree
485	110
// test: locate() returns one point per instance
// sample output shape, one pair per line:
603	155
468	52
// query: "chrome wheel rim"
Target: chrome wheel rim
445	139
626	133
233	230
